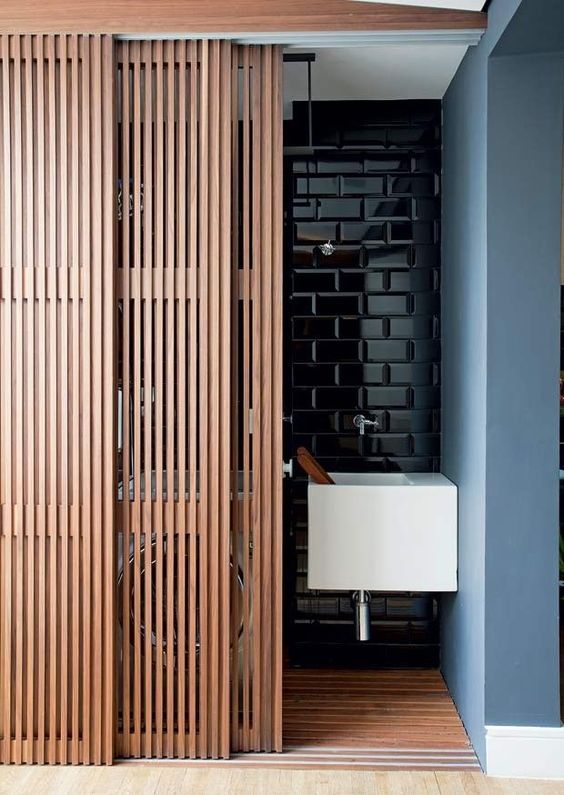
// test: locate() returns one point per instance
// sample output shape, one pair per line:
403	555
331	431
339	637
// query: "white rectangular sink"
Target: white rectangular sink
383	532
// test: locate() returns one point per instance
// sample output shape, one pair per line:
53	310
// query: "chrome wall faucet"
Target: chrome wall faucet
361	422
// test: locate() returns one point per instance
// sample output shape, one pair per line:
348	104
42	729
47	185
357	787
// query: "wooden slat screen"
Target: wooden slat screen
57	429
174	294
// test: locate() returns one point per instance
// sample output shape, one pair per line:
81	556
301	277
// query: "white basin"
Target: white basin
383	532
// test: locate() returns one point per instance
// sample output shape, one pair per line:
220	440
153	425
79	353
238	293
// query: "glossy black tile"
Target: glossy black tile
363	186
338	304
361	374
313	327
388	351
338	351
388	304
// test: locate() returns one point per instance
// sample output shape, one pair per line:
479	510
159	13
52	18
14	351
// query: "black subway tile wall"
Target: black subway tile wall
363	336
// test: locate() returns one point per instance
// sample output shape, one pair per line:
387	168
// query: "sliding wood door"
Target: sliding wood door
140	399
57	388
199	307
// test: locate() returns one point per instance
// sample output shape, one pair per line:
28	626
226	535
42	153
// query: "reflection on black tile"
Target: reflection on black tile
387	208
339	166
427	444
363	233
388	304
362	281
339	209
362	328
316	232
411	327
386	163
384	397
412	374
388	351
395	445
411	281
420	185
363	186
411	421
317	186
387	257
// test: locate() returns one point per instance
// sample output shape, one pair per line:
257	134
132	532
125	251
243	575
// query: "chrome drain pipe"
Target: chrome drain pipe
361	601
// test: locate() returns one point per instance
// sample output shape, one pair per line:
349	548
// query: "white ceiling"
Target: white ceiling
455	5
406	71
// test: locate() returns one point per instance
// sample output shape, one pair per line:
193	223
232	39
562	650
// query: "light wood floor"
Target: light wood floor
150	779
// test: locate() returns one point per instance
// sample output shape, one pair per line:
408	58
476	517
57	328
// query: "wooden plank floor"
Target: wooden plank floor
163	778
393	719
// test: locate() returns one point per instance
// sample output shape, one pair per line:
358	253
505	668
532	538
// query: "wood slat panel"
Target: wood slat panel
173	298
199	519
57	483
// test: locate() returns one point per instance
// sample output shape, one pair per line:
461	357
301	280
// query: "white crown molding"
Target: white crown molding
291	40
525	751
452	5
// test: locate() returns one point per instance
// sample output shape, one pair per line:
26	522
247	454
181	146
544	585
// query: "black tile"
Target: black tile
420	374
362	328
386	208
361	374
303	351
338	304
313	327
411	281
413	136
315	232
388	351
411	327
386	163
349	257
316	186
414	185
305	209
427	397
313	281
427	210
387	257
315	421
338	398
301	304
426	256
428	444
339	209
426	303
333	445
315	375
339	166
396	445
411	421
363	233
387	397
388	304
363	186
426	350
362	281
338	351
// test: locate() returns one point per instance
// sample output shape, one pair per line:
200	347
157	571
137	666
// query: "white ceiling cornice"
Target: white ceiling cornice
451	5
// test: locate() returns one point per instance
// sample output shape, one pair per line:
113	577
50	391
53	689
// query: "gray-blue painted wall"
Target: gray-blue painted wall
500	403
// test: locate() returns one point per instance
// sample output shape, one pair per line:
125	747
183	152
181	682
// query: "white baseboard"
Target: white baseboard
525	751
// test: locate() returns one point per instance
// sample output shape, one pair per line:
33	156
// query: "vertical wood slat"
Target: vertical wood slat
57	231
257	717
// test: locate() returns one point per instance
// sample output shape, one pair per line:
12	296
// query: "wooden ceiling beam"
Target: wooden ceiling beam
224	16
